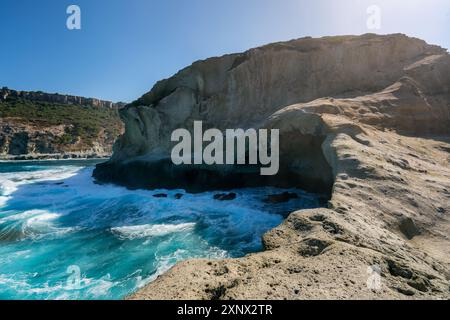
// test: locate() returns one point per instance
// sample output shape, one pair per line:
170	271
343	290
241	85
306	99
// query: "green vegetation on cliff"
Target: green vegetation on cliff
84	125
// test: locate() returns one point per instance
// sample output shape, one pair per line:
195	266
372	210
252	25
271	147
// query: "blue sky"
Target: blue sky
125	46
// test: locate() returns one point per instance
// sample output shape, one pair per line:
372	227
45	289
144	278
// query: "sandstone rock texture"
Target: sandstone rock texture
365	119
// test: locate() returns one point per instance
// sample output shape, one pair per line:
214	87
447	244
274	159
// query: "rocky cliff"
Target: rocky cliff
365	119
64	99
37	125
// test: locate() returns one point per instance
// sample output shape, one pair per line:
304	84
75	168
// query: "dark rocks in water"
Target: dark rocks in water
163	174
225	196
281	197
178	196
409	228
160	195
320	139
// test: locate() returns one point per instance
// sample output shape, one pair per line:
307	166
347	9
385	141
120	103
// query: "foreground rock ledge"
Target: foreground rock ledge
366	119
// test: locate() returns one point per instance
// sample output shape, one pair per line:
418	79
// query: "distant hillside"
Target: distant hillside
6	93
41	125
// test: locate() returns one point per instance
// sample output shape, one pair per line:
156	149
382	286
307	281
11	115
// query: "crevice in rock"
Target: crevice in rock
216	293
313	247
398	270
408	228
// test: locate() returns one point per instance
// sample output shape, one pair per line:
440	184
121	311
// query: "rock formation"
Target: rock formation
37	125
58	98
24	141
365	119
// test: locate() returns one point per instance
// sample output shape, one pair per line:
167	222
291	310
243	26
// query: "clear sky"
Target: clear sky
125	46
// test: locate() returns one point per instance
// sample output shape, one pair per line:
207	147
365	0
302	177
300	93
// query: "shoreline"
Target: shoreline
332	249
53	157
377	140
59	183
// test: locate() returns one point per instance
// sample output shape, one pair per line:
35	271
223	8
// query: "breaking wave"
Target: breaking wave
149	230
58	227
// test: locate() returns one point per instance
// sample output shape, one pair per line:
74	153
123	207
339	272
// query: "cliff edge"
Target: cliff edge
39	125
365	119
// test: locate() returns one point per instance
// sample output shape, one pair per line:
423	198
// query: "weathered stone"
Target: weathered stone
281	197
408	227
362	119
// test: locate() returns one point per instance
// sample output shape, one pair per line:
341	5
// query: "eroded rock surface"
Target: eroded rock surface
38	125
365	119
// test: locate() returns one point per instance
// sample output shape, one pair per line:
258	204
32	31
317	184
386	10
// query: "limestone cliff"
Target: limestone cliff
245	90
38	125
363	118
64	99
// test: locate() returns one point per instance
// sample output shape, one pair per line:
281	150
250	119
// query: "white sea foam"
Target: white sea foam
34	223
11	181
30	216
3	201
64	202
41	221
95	288
150	230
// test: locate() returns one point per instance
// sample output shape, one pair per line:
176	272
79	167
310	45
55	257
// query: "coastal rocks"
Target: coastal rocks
6	93
364	120
225	196
313	247
154	172
56	156
281	197
22	140
217	91
38	125
19	143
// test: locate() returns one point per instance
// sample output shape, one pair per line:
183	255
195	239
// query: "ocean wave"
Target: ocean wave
60	290
150	230
32	224
10	181
93	225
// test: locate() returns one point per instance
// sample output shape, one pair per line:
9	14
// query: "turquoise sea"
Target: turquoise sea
64	237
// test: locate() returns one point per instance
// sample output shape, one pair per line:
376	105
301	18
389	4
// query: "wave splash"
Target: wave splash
148	230
54	217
